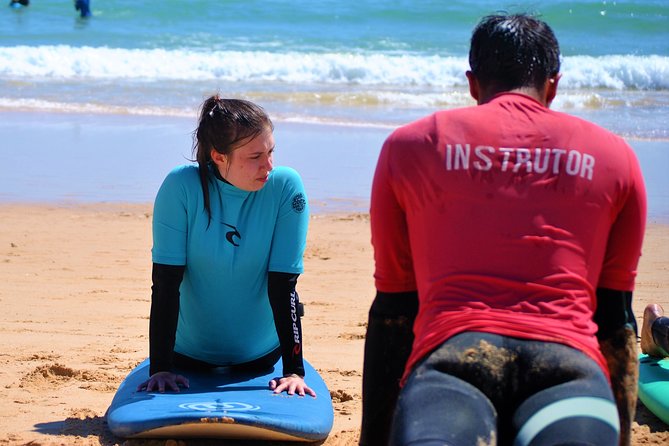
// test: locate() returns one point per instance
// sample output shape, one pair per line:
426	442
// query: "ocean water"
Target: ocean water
370	64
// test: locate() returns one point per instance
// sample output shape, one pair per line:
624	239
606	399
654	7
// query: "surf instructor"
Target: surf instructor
506	241
228	240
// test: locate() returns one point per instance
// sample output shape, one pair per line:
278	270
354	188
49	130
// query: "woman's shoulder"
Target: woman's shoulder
184	172
185	175
286	174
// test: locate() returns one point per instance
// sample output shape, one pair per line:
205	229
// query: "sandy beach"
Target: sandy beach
74	287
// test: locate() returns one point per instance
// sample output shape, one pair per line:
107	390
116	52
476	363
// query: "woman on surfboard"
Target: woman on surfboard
228	240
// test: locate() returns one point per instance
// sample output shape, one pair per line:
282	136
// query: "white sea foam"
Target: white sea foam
616	72
295	68
38	105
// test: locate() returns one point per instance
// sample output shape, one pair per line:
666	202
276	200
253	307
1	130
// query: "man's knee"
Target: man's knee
575	420
435	406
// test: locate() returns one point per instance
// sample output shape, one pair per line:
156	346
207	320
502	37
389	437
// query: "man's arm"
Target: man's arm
389	336
614	315
387	348
617	340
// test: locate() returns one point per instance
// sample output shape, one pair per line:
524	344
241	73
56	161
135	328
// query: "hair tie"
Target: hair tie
217	105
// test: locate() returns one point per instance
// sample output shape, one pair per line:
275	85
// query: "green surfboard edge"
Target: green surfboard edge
654	385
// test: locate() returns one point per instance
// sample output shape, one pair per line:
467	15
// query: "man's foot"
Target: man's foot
648	346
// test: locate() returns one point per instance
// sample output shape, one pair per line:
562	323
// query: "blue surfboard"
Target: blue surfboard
221	404
654	385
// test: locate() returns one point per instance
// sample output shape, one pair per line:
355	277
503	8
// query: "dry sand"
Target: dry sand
74	291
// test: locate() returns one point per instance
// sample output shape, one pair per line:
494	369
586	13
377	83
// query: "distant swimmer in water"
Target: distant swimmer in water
84	7
19	3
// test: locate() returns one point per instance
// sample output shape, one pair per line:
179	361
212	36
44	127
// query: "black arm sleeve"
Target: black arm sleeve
617	333
164	313
614	311
285	306
387	348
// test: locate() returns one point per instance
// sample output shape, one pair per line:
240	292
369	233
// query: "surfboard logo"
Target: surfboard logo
219	406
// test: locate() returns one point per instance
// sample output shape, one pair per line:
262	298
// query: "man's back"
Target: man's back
506	239
515	214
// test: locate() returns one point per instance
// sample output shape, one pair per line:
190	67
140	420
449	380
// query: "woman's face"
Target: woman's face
249	164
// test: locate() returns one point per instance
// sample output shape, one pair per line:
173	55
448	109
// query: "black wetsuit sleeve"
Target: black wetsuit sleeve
614	311
286	309
387	349
164	314
617	333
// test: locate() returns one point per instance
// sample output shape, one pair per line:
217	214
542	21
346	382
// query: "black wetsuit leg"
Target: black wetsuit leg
660	330
262	364
479	388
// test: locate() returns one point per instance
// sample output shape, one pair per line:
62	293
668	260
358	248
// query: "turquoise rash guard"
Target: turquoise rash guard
224	313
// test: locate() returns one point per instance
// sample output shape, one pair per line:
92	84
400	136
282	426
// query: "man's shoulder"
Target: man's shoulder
426	128
581	122
432	120
587	132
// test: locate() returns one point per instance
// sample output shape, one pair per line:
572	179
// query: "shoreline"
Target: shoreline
66	158
75	291
57	158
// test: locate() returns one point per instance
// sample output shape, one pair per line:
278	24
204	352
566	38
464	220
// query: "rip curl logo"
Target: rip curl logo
230	235
299	203
219	406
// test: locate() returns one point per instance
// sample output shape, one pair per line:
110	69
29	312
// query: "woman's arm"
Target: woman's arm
164	314
286	309
285	303
163	327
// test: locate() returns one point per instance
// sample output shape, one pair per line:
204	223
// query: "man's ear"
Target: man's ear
474	88
550	90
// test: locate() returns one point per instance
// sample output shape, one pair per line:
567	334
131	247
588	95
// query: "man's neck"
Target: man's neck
532	92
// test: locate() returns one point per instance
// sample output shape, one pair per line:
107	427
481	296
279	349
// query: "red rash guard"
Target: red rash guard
505	217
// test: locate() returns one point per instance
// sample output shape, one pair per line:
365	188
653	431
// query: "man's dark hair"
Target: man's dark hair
513	51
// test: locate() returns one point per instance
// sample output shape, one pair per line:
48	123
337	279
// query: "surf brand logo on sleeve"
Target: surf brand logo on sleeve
299	203
296	332
539	160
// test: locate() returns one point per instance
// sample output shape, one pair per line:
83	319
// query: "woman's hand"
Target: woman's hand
292	384
160	380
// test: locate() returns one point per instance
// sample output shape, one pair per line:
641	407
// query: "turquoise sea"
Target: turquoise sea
349	69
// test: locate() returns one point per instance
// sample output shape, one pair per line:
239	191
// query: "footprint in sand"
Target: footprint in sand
351	336
39	357
340	396
48	376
